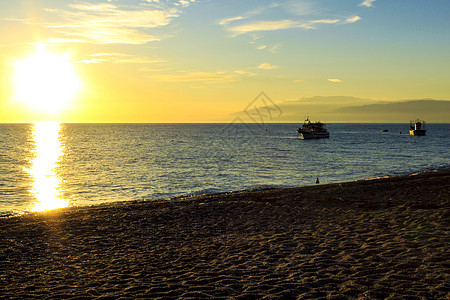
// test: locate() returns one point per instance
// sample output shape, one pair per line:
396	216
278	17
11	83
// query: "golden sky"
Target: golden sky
203	60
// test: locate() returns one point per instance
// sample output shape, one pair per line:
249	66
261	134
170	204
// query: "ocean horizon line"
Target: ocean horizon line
212	123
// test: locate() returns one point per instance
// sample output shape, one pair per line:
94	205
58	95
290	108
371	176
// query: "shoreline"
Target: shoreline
199	197
11	214
189	197
373	238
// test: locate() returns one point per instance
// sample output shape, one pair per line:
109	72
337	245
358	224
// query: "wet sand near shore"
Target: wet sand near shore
369	239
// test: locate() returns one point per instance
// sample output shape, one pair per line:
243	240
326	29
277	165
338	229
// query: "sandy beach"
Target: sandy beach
368	239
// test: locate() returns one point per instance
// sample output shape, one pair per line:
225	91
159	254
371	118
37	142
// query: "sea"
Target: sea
49	165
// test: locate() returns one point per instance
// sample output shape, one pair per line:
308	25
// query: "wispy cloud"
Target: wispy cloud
353	19
274	48
302	7
263	26
267	66
53	41
202	77
229	20
334	80
271	48
367	3
205	77
119	58
293	14
184	3
108	23
298	81
248	14
310	24
243	72
148	69
280	24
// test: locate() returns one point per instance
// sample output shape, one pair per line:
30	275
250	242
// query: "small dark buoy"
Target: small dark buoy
317	180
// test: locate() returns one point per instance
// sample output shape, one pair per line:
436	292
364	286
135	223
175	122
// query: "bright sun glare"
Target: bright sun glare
46	81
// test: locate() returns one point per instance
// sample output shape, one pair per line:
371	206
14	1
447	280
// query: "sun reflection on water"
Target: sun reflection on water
47	152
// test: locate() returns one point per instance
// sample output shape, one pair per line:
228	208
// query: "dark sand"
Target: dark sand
372	239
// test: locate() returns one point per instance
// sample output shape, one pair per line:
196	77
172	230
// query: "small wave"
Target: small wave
444	168
207	191
261	187
220	191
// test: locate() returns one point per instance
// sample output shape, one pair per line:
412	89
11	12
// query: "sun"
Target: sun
46	81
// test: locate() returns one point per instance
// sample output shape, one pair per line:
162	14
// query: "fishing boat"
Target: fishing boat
316	130
417	127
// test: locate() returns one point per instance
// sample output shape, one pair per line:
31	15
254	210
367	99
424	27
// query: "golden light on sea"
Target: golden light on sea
46	183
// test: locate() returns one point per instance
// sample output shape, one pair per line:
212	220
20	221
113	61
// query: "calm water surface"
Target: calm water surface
50	165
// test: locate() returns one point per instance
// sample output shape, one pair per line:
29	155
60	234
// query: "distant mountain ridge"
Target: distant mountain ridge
430	110
351	109
409	105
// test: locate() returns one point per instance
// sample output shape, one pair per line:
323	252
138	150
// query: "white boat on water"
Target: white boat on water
316	130
417	127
